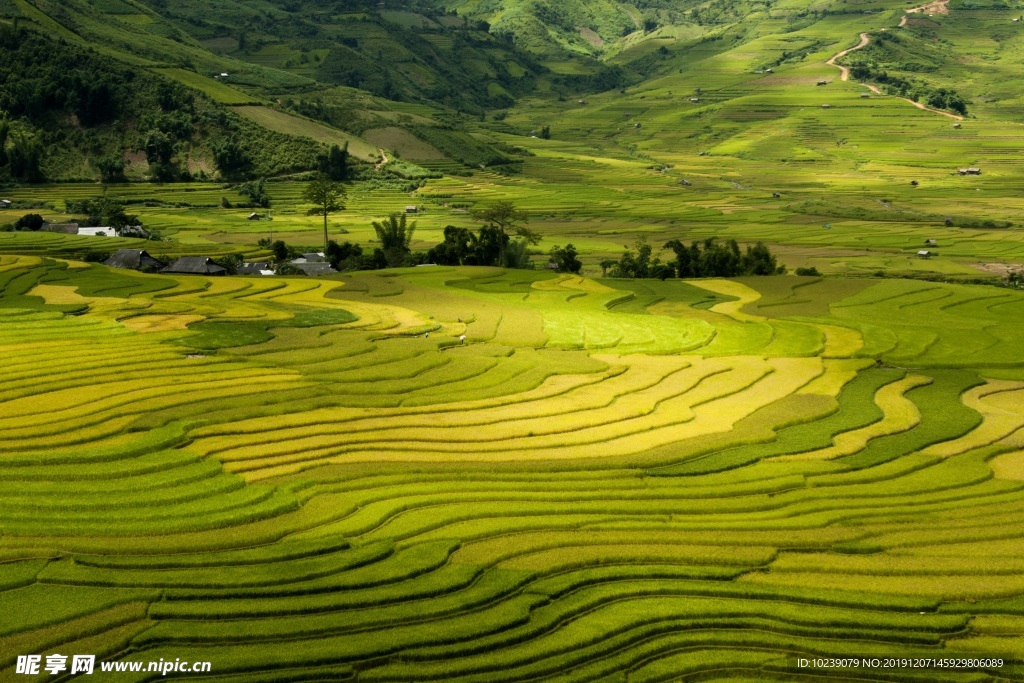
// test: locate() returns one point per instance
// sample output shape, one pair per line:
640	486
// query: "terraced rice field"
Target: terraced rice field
614	480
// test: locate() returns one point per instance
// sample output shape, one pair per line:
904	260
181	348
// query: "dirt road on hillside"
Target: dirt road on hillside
844	72
936	7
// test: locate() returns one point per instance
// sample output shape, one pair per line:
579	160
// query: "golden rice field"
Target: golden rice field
608	481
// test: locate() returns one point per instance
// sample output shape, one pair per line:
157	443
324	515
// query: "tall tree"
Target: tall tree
326	197
334	162
394	234
504	217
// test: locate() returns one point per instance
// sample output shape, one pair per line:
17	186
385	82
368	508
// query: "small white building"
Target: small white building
97	232
5	203
924	253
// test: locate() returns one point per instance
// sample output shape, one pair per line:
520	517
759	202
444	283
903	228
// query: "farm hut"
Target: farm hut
776	195
314	269
684	181
582	102
948	222
63	228
924	253
695	100
768	71
931	243
826	106
970	171
637	125
412	209
956	125
136	231
195	265
256	268
97	232
822	82
5	203
254	216
134	259
864	95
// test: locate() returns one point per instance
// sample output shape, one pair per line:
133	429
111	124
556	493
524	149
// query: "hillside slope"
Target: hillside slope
71	113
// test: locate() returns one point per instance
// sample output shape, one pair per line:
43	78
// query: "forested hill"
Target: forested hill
71	113
89	88
169	90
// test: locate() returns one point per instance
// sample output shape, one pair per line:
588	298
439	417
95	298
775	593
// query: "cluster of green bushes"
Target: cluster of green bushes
709	258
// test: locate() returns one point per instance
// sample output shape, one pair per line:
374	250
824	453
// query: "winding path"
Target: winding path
936	7
383	160
844	72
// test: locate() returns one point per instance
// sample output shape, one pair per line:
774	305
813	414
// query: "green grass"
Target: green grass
216	89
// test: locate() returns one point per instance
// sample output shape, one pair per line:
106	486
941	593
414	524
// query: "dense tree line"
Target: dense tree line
709	258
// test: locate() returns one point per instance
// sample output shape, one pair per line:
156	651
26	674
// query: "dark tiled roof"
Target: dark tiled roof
315	268
254	268
133	259
195	265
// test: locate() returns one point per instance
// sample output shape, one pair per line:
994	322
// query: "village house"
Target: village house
310	257
97	232
313	269
256	268
136	231
195	265
134	259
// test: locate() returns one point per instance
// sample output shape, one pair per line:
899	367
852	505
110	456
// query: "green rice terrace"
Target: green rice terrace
409	471
300	479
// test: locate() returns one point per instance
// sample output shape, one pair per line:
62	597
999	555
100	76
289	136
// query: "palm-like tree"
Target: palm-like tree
395	235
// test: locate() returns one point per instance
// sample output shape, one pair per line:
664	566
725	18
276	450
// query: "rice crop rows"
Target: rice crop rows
299	482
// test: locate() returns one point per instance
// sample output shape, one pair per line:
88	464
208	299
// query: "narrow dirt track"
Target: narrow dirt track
936	7
844	72
383	160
